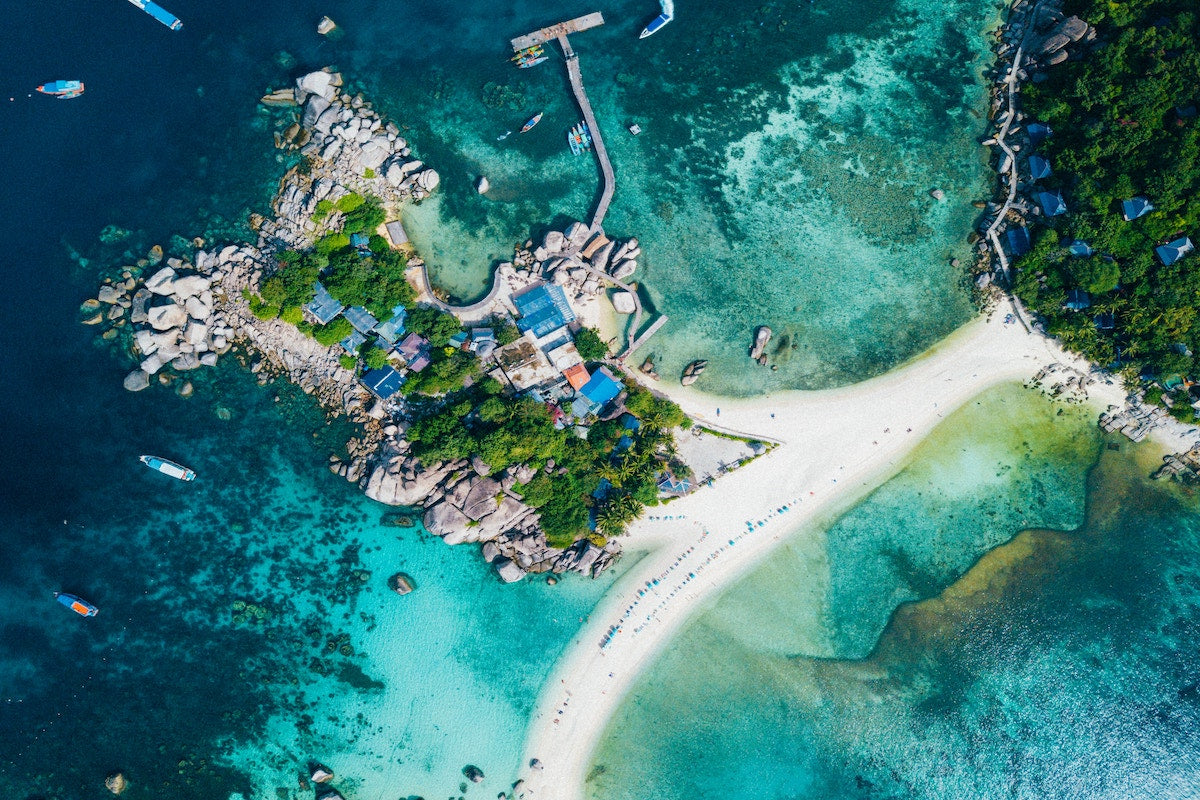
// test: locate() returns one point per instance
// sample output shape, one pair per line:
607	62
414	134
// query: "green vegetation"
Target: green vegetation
368	173
334	332
348	362
1123	128
613	473
506	331
367	215
375	357
376	281
436	326
590	346
447	372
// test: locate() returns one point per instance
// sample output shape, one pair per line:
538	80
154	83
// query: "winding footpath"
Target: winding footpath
837	445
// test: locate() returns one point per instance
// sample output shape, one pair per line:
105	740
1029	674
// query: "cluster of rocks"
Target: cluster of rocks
1043	35
464	503
581	263
348	147
174	317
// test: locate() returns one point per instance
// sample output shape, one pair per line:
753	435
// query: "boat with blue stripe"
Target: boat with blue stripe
159	13
63	90
77	604
177	471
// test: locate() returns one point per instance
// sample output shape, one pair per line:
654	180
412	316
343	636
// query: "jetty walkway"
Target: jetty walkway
560	31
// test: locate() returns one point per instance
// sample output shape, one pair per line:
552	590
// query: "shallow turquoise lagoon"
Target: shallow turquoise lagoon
783	176
246	626
1059	665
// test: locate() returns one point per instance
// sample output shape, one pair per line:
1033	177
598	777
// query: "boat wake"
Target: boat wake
668	7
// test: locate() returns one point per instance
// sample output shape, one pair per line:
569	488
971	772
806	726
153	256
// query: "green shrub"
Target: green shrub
375	357
334	332
332	243
292	315
349	202
590	346
322	210
348	362
368	173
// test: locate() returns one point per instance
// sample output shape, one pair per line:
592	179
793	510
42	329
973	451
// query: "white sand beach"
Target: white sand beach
835	446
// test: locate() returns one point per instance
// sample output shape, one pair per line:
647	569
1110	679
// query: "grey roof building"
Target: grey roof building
361	319
323	308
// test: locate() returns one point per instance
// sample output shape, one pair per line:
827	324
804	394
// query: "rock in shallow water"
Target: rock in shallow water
136	381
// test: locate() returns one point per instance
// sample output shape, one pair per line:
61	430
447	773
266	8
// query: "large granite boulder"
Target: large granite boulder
318	83
163	318
504	518
553	242
623	303
161	281
481	500
577	234
313	110
402	482
428	179
197	309
508	571
189	286
445	520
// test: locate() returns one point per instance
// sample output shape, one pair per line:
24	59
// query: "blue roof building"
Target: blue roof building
383	382
544	309
602	387
669	484
1172	251
361	242
1105	322
1080	248
361	319
1078	300
323	308
393	329
1038	132
1039	167
458	340
1052	203
1135	207
1018	241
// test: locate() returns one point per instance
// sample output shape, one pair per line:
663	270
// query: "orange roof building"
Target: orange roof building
577	376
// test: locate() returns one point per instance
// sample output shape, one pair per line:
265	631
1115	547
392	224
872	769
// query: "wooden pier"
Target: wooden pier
587	21
641	340
560	32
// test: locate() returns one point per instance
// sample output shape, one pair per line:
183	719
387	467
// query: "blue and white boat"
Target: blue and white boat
63	90
177	471
77	604
655	25
159	13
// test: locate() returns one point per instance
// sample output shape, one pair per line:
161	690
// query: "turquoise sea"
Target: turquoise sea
783	178
878	656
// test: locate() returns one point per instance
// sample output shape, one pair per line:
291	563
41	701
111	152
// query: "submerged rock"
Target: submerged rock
401	583
136	381
116	783
473	773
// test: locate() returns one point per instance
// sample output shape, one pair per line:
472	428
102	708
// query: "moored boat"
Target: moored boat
532	51
63	90
159	13
534	120
77	604
177	471
531	62
655	25
693	371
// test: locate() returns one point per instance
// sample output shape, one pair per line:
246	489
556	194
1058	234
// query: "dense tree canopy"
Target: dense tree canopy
613	474
1125	125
